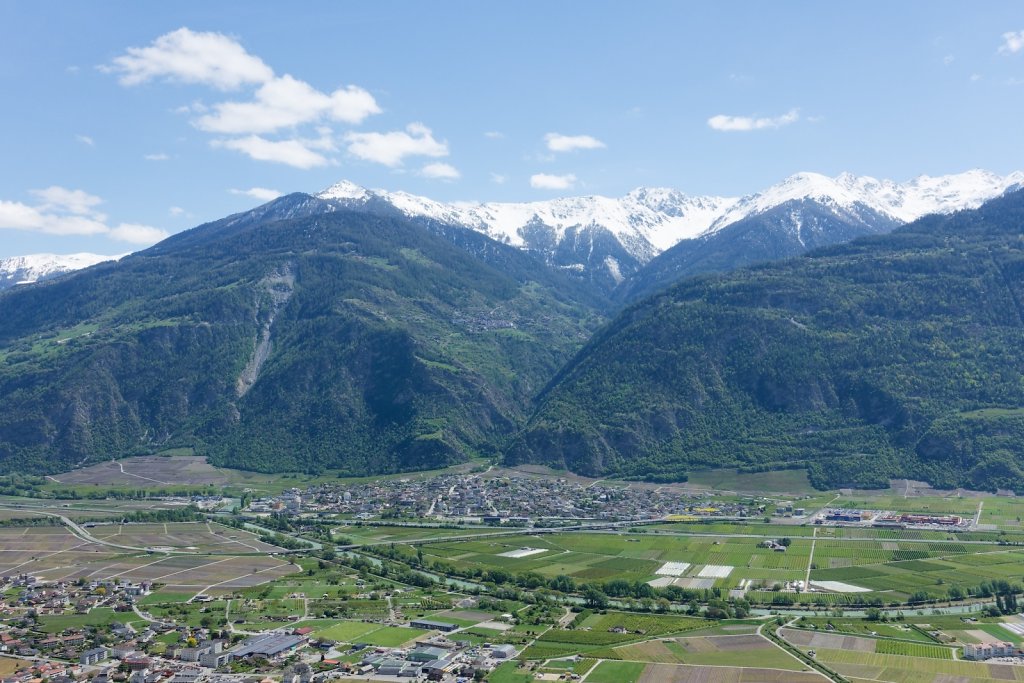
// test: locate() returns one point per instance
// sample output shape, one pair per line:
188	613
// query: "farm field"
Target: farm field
9	665
379	533
616	672
901	631
53	553
149	471
599	632
369	633
634	557
202	537
674	673
739	650
903	669
101	616
12	507
856	569
179	469
818	640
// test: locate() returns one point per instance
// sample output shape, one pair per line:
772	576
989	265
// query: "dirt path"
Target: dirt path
810	559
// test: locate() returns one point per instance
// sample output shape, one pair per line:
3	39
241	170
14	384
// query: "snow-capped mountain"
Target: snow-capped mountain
902	202
609	239
658	216
603	238
18	270
807	211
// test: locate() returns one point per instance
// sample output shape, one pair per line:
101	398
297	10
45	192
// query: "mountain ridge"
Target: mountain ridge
276	340
609	240
890	356
20	270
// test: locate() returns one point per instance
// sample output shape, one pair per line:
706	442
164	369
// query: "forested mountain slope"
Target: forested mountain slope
286	338
895	355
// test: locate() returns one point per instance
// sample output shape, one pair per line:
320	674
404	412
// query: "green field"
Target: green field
901	669
347	604
367	632
616	672
101	616
894	647
888	569
347	631
861	627
509	672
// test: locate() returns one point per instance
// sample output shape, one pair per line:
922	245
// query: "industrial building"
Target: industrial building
269	646
431	625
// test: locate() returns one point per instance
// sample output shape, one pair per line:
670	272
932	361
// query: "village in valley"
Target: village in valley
503	575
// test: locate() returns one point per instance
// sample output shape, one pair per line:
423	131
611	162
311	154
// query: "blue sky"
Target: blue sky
124	121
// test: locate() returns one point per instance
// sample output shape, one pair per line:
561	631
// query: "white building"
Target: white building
982	651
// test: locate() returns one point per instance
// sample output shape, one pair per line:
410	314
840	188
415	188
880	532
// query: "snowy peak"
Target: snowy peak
850	194
18	270
651	219
608	239
344	190
944	194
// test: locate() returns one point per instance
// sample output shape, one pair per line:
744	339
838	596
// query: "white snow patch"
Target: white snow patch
32	267
613	269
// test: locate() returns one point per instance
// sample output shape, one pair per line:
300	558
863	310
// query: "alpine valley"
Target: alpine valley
367	331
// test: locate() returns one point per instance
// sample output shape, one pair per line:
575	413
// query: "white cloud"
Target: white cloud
79	202
499	178
494	135
440	171
159	156
137	234
546	181
86	140
1013	42
726	123
948	59
278	104
196	107
19	216
176	211
286	102
569	143
70	212
188	56
296	152
975	77
390	149
263	194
